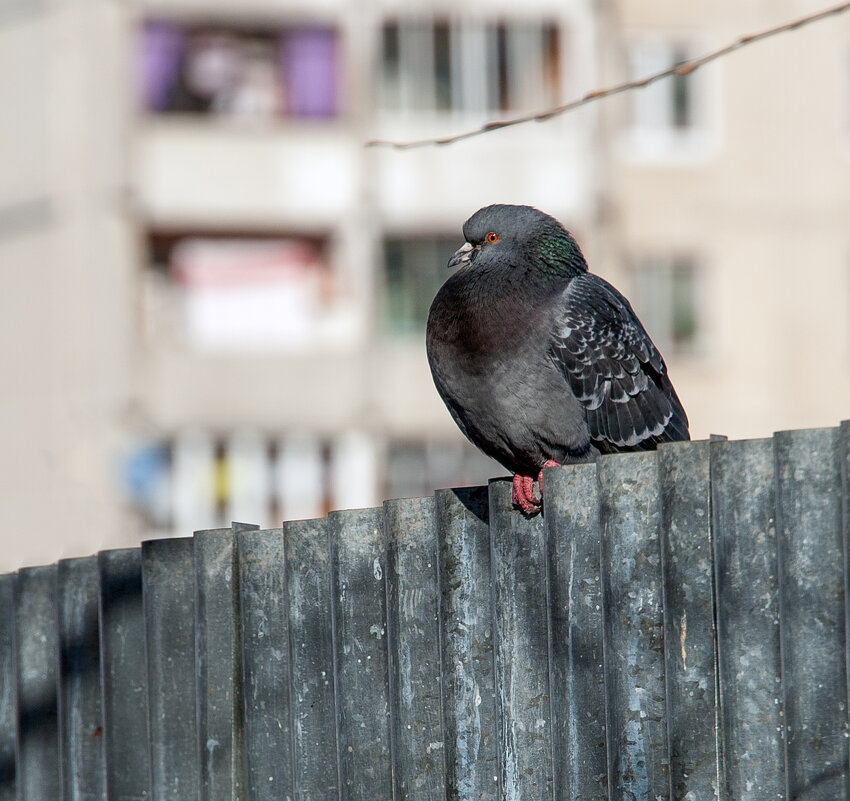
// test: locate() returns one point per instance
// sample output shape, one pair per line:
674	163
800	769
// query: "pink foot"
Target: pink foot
523	494
523	491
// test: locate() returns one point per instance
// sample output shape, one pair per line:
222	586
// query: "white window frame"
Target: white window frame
471	53
649	135
661	329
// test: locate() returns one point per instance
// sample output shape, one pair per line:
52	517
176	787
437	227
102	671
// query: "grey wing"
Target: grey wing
615	370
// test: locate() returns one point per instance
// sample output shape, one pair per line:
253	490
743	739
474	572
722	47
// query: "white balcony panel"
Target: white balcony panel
505	8
235	9
209	173
354	471
193	482
266	392
300	476
550	169
249	476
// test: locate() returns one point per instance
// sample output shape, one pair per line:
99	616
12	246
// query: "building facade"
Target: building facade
216	293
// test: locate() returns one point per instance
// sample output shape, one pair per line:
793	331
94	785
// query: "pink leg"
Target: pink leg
523	494
523	490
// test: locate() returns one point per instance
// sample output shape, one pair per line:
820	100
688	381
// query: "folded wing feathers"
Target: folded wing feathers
615	370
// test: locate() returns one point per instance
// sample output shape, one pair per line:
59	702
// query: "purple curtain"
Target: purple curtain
162	48
308	61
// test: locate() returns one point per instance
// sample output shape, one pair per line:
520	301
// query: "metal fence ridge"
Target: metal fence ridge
674	626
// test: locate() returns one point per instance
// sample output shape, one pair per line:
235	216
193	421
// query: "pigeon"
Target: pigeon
540	362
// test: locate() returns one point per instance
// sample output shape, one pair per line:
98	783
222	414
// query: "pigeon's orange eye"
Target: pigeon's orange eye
491	237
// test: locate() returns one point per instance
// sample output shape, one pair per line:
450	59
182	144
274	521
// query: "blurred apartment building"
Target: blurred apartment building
730	198
215	294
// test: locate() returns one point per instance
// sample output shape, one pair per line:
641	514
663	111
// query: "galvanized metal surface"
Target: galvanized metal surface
466	640
313	703
8	688
749	668
218	660
812	612
265	665
80	729
413	643
37	651
674	626
689	632
124	675
575	608
521	635
169	602
358	568
633	636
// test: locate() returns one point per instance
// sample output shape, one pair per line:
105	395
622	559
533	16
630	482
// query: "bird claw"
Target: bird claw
523	491
523	495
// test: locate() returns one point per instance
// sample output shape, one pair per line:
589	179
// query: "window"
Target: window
414	269
415	469
670	117
248	74
244	292
667	301
445	65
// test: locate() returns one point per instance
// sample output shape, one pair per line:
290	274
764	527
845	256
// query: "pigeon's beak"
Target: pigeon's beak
463	255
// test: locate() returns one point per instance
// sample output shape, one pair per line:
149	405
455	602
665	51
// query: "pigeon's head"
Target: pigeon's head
495	233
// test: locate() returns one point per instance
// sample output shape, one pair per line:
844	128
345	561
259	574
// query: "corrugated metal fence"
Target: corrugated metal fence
674	627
